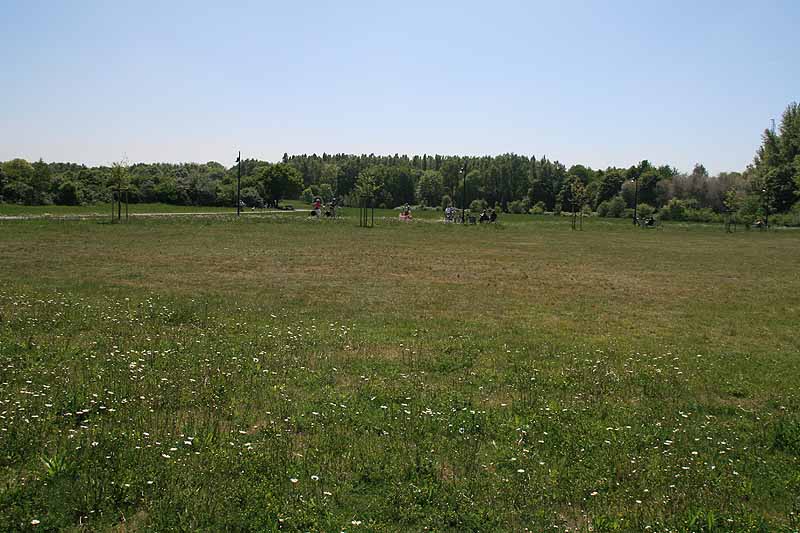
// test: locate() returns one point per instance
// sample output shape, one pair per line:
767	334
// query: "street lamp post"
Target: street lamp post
239	185
636	200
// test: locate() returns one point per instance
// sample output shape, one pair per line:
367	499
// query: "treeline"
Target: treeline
509	182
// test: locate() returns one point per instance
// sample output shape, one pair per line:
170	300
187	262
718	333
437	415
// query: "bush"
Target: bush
791	218
251	198
326	192
645	210
785	219
307	195
616	207
538	208
602	209
68	194
703	215
478	205
446	201
517	207
674	210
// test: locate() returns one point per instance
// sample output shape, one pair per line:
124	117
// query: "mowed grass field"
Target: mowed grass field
275	373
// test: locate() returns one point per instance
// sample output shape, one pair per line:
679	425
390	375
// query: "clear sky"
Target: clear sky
599	83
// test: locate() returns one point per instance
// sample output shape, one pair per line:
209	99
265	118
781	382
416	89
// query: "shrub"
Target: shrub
602	209
446	201
326	192
645	210
517	207
674	210
68	194
251	198
702	215
785	219
477	205
616	207
538	208
307	195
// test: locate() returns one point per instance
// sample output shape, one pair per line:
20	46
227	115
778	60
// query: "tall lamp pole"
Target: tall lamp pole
239	185
464	194
636	200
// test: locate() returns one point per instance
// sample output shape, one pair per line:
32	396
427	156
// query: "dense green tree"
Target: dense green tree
609	184
251	198
451	170
19	175
399	184
473	191
776	161
774	179
368	183
41	182
330	174
277	182
68	194
430	188
546	181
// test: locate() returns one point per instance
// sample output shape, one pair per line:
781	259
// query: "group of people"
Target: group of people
317	208
487	215
405	213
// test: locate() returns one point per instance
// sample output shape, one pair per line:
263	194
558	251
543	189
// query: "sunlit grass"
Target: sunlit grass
277	372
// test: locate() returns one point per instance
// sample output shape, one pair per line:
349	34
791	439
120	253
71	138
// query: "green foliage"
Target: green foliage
326	192
645	210
775	163
517	207
733	200
703	214
308	195
615	207
446	201
251	198
674	210
476	206
369	183
546	180
68	194
609	185
423	180
751	209
19	178
538	208
279	181
430	188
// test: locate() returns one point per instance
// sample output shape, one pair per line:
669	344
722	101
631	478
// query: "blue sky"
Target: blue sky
599	83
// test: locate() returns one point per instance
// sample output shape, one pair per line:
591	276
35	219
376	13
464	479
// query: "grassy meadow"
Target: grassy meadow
276	373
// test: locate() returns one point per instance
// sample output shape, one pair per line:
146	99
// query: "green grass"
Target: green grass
179	374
